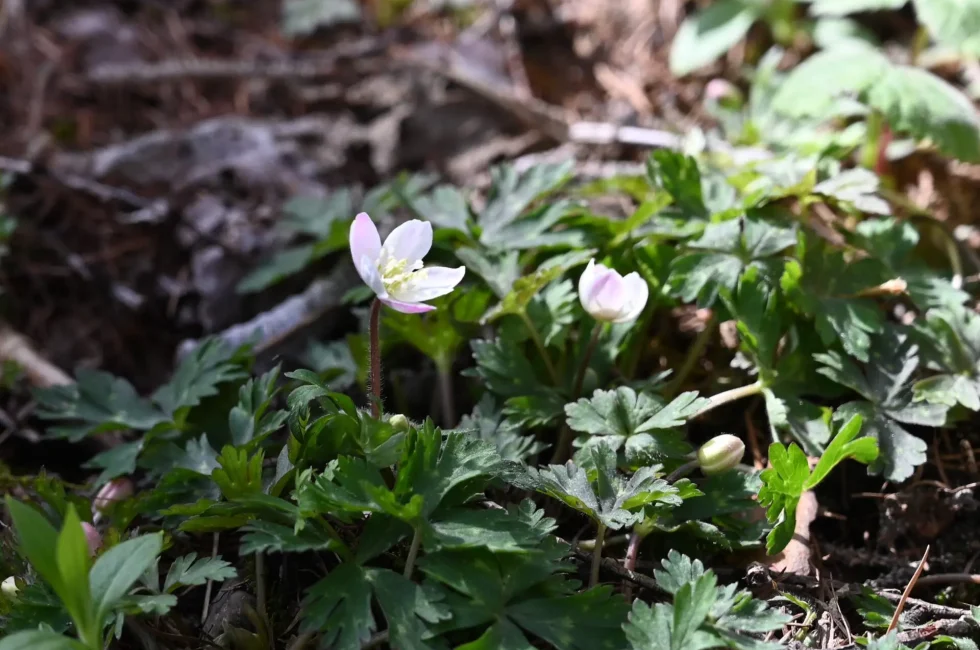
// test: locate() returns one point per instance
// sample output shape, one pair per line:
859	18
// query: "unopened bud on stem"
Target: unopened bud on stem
115	490
93	538
398	422
720	454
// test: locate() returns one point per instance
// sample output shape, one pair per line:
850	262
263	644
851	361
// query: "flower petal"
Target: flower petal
430	282
368	270
585	283
407	307
410	241
364	240
609	294
638	292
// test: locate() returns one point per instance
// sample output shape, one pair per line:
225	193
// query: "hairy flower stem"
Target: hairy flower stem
375	353
597	555
632	553
446	396
564	445
413	552
682	471
730	396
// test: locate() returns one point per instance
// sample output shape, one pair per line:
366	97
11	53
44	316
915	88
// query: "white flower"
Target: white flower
9	587
395	271
608	296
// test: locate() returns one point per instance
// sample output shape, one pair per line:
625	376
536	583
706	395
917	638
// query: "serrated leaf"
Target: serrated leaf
40	640
511	193
198	376
724	252
919	103
118	569
100	401
487	422
188	570
706	35
812	87
954	23
856	187
886	386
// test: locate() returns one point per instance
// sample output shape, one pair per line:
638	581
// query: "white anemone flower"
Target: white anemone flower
394	271
611	297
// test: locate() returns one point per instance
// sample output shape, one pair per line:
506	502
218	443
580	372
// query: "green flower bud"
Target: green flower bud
720	454
398	422
9	587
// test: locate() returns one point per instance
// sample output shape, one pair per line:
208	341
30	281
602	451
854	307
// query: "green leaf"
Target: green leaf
526	288
954	23
723	253
844	445
789	476
919	103
487	422
238	475
118	569
72	552
515	530
679	177
38	542
100	401
857	188
188	570
339	606
249	420
511	193
825	285
888	402
591	620
445	206
811	88
625	419
603	494
40	640
283	264
710	33
198	376
335	362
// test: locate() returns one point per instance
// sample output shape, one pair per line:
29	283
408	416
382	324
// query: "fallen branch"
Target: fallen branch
273	326
15	348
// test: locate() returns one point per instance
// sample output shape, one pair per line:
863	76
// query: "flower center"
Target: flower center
398	275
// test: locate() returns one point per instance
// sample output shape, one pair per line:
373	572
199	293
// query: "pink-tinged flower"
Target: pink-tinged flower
608	296
93	538
394	270
115	490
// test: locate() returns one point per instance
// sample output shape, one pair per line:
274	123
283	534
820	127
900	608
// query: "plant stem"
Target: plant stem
536	337
682	471
446	396
730	396
869	154
597	555
260	598
342	550
375	353
586	358
565	437
589	544
632	553
413	552
692	357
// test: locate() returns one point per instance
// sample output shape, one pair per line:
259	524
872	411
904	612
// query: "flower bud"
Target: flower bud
611	297
115	490
398	422
723	92
93	538
720	454
9	587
